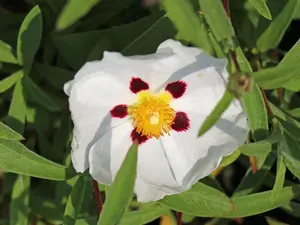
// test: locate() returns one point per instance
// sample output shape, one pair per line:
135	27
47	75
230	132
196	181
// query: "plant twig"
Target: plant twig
179	218
97	196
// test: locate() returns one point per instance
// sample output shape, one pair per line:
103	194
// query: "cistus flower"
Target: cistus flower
160	100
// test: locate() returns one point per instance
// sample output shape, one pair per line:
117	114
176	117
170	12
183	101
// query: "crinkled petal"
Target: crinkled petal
192	158
108	153
146	192
154	167
91	100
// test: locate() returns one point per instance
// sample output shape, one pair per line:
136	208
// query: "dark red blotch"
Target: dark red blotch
119	111
137	85
135	136
176	88
181	122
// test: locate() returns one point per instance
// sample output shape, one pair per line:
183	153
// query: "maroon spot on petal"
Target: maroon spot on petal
181	122
137	85
139	138
119	111
176	88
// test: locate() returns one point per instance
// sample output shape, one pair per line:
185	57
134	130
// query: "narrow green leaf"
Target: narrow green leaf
29	38
19	209
8	82
253	103
276	77
7	133
145	32
280	176
289	149
274	30
217	19
262	147
121	191
217	112
227	160
272	221
261	202
290	125
16	158
187	23
251	181
200	200
73	11
7	54
262	8
75	200
17	109
144	216
291	59
36	95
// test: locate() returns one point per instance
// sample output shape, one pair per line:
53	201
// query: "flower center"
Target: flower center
152	115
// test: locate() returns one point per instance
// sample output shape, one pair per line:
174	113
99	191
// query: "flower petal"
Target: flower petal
193	158
146	192
154	167
91	100
108	153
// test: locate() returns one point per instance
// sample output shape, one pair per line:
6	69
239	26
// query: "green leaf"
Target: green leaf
75	200
251	181
261	202
56	76
276	77
144	216
29	38
282	11
272	221
289	149
217	19
253	103
217	112
200	200
16	158
187	23
262	8
19	209
121	191
7	54
140	37
227	160
291	59
262	147
8	82
17	109
35	94
290	125
280	175
73	11
7	133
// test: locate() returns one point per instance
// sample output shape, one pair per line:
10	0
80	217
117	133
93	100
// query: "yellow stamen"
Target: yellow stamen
152	115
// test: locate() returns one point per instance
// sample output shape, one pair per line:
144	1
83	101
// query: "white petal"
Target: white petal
146	192
154	167
204	89
91	100
108	153
193	158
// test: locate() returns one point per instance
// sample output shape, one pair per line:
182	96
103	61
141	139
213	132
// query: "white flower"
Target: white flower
161	100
